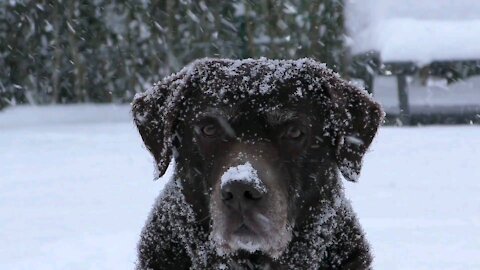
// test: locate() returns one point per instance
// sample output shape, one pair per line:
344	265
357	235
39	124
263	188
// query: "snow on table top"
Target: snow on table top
422	41
413	30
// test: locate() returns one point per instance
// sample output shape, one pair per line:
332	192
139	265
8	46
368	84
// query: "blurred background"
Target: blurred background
75	185
422	63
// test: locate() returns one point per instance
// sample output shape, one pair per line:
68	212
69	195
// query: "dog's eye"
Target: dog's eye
293	132
209	130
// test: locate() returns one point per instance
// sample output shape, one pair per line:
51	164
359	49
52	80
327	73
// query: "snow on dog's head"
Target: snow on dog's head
258	144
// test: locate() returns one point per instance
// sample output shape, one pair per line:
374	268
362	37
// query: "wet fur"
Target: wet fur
325	233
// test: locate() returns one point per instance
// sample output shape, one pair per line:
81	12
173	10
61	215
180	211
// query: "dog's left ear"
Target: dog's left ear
360	118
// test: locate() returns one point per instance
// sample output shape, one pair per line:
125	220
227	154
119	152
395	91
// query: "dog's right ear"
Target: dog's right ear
156	111
154	125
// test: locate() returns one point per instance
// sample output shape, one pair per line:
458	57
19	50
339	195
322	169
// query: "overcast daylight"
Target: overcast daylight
289	134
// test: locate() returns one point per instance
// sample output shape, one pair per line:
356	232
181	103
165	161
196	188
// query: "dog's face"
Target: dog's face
257	151
254	154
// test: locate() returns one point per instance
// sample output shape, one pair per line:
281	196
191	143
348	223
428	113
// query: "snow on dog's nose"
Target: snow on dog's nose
241	187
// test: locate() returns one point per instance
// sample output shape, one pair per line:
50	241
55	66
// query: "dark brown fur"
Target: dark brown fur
252	122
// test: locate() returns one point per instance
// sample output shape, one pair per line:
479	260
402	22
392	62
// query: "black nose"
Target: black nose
240	194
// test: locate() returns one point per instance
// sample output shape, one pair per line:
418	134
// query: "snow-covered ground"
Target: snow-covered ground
75	190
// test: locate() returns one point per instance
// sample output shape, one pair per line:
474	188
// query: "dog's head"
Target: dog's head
257	143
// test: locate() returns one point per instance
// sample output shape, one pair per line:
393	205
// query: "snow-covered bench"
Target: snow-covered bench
405	47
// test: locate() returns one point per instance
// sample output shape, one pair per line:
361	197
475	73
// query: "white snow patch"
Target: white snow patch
354	140
398	39
243	173
247	245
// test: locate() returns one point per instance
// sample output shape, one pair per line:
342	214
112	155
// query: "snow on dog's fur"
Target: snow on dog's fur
258	147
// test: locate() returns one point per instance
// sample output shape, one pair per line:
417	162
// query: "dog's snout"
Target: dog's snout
239	193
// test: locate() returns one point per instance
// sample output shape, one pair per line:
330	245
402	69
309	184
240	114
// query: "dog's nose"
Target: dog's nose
239	193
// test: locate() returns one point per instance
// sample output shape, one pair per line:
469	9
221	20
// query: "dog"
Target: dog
258	146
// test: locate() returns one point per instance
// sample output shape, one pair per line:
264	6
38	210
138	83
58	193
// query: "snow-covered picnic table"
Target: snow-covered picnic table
405	38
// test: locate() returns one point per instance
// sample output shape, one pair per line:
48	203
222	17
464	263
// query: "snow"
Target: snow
418	198
223	71
243	173
399	39
76	190
249	246
60	115
419	31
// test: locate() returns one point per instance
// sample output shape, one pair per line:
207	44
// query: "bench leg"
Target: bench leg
369	81
402	85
